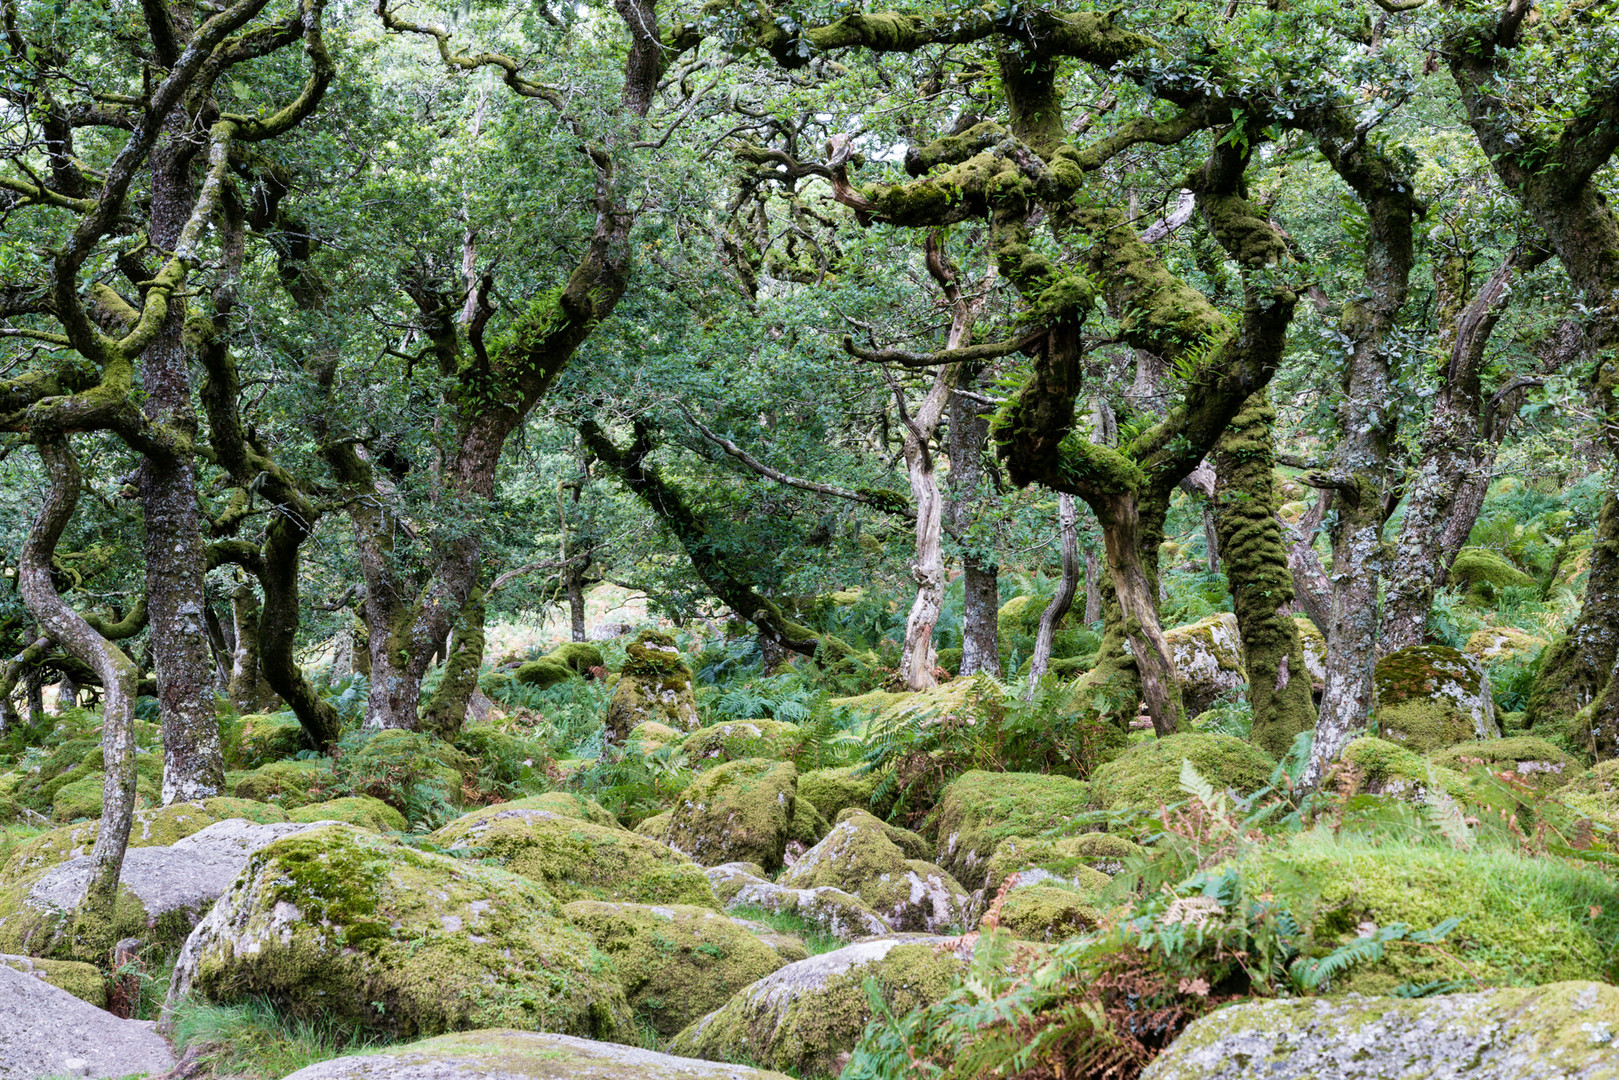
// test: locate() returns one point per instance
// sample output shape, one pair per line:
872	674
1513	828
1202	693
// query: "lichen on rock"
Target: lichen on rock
654	684
740	811
1428	697
1208	660
978	809
859	858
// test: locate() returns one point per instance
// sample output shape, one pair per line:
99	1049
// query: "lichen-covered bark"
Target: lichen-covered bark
447	710
1577	665
1067	585
93	924
1255	560
981	601
1456	451
249	691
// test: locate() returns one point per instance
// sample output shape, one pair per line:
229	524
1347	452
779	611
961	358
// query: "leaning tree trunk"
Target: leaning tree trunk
92	928
249	691
1255	557
1125	529
1067	585
981	596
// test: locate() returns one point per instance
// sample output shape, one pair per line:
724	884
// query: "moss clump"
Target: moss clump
739	739
858	858
71	760
224	808
1148	775
654	826
1379	767
913	845
342	924
654	684
361	810
80	798
676	963
1208	660
543	672
1088	860
1482	574
566	803
809	1015
1430	697
1533	761
574	859
1048	913
581	656
808	826
266	737
651	735
286	784
740	811
1498	643
831	791
1525	920
416	773
977	810
83	981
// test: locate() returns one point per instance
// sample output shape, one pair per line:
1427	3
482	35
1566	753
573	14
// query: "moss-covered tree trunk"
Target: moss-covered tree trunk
249	691
1255	559
1577	665
92	928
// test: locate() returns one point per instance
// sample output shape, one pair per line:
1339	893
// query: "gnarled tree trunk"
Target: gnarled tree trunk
981	595
1067	585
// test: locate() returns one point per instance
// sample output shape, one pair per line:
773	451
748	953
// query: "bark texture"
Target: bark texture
1067	586
981	602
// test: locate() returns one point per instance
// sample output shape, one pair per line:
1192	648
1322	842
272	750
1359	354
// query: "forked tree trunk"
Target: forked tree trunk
1136	590
917	657
981	597
1067	585
92	928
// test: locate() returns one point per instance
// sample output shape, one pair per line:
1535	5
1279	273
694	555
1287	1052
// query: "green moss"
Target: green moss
266	737
581	656
651	735
361	810
654	826
1048	913
1147	776
543	672
676	963
808	826
1533	761
1384	768
913	845
1089	859
1430	697
224	808
654	684
566	803
977	810
740	811
831	791
720	743
83	981
341	924
575	859
1482	574
287	784
810	1028
417	773
1525	920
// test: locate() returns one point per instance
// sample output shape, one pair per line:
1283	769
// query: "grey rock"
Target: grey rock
1562	1031
522	1055
859	857
49	1032
831	910
186	877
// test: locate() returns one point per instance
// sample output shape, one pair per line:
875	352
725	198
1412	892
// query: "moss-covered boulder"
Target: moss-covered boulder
676	963
83	981
361	810
1532	761
654	684
859	858
415	772
742	887
1482	574
805	831
831	791
727	878
790	947
808	1016
655	826
342	923
543	672
739	811
1524	920
977	810
772	739
267	737
66	785
152	827
1594	794
1378	767
1565	1031
522	1055
286	784
566	803
1148	775
575	859
1087	861
1429	697
580	656
162	893
650	736
1497	643
1208	660
914	845
1047	912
